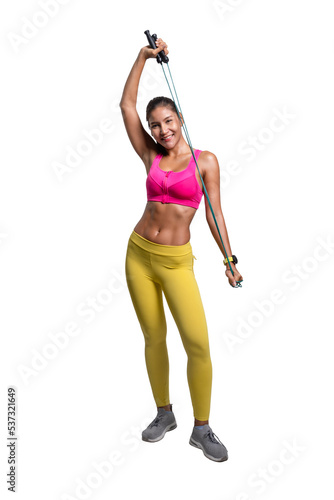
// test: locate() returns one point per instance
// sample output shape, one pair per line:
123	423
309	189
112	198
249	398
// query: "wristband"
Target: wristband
231	259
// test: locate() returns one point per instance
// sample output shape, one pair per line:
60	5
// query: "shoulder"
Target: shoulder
209	161
208	157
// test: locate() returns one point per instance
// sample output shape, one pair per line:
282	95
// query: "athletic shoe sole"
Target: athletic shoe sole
169	427
198	445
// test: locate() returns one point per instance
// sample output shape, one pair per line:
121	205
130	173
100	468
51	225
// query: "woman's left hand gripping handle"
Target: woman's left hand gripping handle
234	281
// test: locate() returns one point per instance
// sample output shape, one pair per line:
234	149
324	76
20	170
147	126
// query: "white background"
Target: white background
63	241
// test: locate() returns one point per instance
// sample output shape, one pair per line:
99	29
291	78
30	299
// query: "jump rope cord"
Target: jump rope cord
238	284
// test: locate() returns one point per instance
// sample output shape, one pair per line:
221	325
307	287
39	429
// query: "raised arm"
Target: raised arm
141	141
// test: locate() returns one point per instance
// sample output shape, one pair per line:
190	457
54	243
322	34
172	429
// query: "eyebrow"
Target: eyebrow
170	116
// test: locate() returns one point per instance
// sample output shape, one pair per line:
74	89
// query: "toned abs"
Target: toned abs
167	223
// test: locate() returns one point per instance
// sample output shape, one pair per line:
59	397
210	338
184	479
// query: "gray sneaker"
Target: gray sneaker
209	443
163	422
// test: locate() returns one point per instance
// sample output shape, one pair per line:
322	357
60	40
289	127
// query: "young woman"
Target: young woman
159	255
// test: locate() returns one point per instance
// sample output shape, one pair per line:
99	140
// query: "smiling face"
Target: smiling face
165	126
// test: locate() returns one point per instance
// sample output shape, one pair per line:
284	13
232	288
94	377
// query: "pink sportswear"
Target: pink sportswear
174	187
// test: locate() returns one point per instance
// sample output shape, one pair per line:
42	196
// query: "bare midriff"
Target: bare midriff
165	223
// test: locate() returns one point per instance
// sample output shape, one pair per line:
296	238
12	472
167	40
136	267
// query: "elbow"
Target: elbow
217	213
126	105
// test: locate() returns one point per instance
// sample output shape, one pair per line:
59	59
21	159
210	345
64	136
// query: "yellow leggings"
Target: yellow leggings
152	268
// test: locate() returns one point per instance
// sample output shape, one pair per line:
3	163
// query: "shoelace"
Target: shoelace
156	421
212	436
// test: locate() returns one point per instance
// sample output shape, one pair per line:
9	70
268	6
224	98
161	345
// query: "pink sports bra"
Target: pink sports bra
174	187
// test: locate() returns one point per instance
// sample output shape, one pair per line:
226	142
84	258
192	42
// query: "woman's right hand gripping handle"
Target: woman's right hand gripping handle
129	96
148	52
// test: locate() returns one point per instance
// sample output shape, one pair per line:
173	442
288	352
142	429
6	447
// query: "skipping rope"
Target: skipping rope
161	57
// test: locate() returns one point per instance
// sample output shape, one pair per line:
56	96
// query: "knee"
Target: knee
155	337
199	349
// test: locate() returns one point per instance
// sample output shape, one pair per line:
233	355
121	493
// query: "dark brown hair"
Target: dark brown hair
160	101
